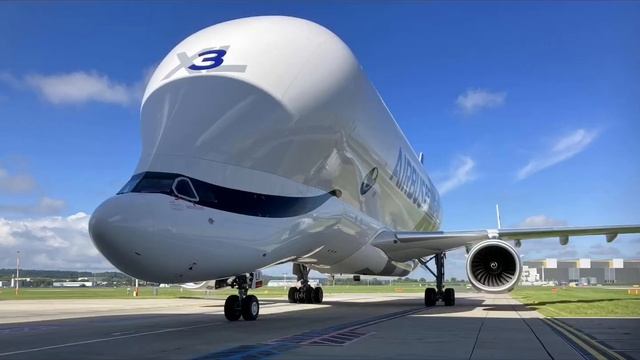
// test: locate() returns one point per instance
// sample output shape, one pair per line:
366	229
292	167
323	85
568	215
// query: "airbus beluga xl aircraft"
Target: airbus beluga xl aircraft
263	142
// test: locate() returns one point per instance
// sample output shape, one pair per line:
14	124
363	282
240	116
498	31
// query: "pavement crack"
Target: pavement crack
475	343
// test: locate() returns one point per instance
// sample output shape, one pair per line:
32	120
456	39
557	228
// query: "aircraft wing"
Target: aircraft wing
403	246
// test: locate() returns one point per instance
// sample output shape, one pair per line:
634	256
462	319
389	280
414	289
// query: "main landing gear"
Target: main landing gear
242	305
431	295
305	294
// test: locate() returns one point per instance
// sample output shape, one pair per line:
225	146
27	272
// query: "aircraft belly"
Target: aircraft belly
370	260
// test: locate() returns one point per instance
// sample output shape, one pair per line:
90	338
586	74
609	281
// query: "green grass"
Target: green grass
175	292
87	293
579	302
566	302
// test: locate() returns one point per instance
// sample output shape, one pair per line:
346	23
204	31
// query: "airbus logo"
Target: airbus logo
369	181
415	187
206	60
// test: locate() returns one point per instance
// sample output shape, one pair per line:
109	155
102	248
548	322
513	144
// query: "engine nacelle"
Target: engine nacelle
203	285
493	266
254	278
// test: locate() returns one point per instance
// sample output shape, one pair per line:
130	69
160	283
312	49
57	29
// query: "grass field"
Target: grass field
565	302
579	302
175	292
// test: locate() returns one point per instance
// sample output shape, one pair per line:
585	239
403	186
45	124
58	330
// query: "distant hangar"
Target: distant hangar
587	271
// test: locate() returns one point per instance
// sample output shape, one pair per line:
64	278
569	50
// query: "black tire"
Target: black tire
449	297
293	291
307	292
232	308
318	294
250	308
430	297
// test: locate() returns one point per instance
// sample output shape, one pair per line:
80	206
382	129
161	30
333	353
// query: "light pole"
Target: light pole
17	272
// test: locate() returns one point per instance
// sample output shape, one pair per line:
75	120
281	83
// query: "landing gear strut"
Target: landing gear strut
431	295
305	294
242	305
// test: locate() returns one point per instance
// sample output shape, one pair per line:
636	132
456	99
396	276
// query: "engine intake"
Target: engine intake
493	266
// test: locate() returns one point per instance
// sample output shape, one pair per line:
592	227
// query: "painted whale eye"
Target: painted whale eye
183	188
368	181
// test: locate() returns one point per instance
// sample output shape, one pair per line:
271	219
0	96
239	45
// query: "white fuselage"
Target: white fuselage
290	149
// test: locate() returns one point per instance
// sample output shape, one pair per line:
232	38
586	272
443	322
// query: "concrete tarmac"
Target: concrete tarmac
350	326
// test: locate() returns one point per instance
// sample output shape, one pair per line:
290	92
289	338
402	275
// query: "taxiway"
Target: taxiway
351	326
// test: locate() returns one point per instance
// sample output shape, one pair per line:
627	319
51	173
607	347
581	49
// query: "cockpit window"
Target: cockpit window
128	187
223	198
182	187
155	183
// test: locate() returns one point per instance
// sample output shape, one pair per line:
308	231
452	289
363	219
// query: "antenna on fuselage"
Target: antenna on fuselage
498	216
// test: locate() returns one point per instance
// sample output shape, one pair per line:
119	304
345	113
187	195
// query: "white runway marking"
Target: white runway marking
105	339
271	307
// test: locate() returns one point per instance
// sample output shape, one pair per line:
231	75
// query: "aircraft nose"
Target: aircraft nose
117	230
106	231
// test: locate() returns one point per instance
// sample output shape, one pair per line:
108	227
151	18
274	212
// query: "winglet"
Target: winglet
498	215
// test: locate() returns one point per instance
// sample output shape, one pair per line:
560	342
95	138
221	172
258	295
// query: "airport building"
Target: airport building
586	271
530	274
22	282
73	283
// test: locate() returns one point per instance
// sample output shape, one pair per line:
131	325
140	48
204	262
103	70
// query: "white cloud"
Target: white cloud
474	100
594	247
5	235
461	172
13	184
563	149
541	221
81	87
9	79
606	250
45	206
538	249
50	243
49	205
25	184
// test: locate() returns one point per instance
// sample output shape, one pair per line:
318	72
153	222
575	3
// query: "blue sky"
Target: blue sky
535	106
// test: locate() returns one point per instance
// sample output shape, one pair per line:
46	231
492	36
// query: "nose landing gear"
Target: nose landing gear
305	294
431	295
242	305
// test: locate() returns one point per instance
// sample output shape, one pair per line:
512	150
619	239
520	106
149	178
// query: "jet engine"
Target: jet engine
493	266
